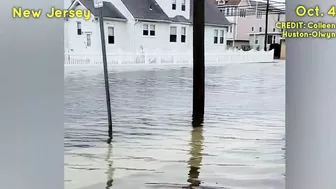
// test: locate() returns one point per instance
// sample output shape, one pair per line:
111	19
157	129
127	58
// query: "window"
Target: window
110	38
152	30
173	34
230	29
273	29
183	6
256	42
260	29
183	34
148	30
242	12
88	40
174	4
221	37
252	28
259	14
145	29
79	28
216	37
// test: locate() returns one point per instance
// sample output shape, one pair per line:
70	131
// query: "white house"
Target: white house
136	26
248	22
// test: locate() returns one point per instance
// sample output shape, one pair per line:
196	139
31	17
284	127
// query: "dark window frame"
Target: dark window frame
221	38
183	36
110	37
183	5
173	37
148	31
174	5
79	28
216	35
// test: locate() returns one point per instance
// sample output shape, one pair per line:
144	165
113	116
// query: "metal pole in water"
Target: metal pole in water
266	26
198	63
107	88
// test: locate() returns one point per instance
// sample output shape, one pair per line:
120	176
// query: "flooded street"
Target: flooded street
241	145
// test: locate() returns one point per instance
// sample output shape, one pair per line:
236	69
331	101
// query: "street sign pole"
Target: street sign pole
98	4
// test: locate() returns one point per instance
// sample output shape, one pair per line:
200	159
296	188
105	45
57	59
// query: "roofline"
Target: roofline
217	25
78	1
186	23
115	19
152	20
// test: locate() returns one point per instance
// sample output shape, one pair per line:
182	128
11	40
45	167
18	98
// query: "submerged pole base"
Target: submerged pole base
197	121
109	140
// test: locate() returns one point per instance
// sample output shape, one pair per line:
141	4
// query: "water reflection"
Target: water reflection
152	130
110	169
195	161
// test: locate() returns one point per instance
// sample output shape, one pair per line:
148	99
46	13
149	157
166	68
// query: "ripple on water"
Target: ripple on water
241	146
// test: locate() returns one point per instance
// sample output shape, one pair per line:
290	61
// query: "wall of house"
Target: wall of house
77	43
233	29
124	33
242	26
261	39
166	5
210	47
129	36
161	39
246	23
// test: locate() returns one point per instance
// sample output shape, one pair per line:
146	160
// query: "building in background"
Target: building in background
283	48
248	20
137	26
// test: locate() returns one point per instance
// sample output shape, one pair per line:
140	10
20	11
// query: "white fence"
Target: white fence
122	60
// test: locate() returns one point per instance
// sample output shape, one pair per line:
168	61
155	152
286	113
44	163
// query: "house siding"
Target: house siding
166	5
129	35
242	26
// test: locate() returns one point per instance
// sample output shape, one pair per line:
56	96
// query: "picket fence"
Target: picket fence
137	61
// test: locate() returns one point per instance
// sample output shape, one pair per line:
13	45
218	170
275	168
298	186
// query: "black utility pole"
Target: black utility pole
107	88
266	26
198	63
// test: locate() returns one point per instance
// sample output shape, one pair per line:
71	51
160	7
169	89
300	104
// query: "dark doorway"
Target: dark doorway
277	49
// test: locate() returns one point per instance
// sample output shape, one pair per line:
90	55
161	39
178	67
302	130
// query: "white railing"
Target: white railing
162	60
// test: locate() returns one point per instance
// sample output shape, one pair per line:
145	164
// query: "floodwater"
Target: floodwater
241	145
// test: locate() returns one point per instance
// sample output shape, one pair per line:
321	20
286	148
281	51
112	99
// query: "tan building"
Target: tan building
283	49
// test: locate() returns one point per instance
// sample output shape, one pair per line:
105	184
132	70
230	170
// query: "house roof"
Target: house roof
109	10
212	15
146	10
180	19
233	2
